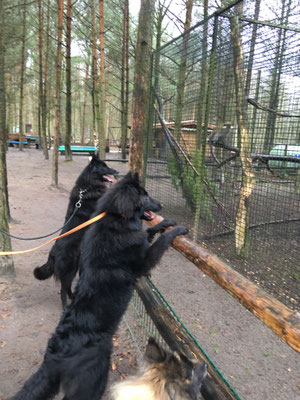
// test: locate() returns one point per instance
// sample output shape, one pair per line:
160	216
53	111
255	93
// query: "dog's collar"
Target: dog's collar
81	193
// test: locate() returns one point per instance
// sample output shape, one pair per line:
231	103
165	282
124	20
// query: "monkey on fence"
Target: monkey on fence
220	135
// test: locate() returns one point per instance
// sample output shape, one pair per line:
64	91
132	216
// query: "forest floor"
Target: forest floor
257	363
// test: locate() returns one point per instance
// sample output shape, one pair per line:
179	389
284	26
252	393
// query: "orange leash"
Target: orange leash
77	228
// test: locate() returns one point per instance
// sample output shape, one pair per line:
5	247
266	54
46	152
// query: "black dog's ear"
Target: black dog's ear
133	176
136	177
95	157
154	353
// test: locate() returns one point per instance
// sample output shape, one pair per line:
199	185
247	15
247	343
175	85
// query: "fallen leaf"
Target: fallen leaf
113	366
5	315
2	344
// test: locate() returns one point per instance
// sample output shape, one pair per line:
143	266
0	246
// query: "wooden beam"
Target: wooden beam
178	339
281	319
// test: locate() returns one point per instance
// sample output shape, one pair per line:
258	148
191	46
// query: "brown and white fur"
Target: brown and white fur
163	376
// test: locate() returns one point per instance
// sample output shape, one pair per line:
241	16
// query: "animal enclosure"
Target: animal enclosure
223	152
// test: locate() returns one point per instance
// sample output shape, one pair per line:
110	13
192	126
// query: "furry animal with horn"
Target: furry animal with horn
115	252
163	376
63	259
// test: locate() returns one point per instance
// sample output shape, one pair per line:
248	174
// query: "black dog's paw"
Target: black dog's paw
179	230
166	223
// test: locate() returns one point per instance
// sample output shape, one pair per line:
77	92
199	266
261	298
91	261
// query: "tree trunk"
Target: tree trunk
46	85
201	131
95	79
252	48
84	104
41	90
125	79
248	176
182	69
140	107
6	262
68	152
275	80
160	14
102	130
58	93
22	73
93	96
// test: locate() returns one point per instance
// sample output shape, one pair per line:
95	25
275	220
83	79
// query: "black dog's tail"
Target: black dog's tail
46	270
40	386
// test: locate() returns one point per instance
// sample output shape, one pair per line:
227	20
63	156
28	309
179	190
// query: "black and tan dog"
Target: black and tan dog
63	259
115	252
163	376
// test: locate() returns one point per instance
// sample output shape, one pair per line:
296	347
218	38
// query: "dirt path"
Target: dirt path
255	361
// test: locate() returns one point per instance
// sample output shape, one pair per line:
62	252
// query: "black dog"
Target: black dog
63	259
115	252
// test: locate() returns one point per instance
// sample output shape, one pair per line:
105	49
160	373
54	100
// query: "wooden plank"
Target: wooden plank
281	319
178	339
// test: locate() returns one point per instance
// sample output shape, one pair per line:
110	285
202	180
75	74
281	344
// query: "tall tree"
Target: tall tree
201	125
68	152
141	87
276	76
6	262
97	133
248	176
40	33
182	68
58	93
125	79
252	47
102	130
161	12
46	86
84	103
22	74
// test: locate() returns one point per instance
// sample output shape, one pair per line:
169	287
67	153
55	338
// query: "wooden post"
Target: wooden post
281	319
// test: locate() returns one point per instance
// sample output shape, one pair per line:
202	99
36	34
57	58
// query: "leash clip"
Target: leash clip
79	202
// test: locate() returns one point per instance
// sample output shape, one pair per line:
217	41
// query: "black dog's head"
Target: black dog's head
129	200
95	172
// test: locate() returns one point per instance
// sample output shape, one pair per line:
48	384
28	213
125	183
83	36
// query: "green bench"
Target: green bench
78	150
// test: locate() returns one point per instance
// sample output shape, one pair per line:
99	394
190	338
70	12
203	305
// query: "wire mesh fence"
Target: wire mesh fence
228	165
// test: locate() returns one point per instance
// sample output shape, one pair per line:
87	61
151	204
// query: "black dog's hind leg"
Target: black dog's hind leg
66	285
40	385
157	249
159	228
